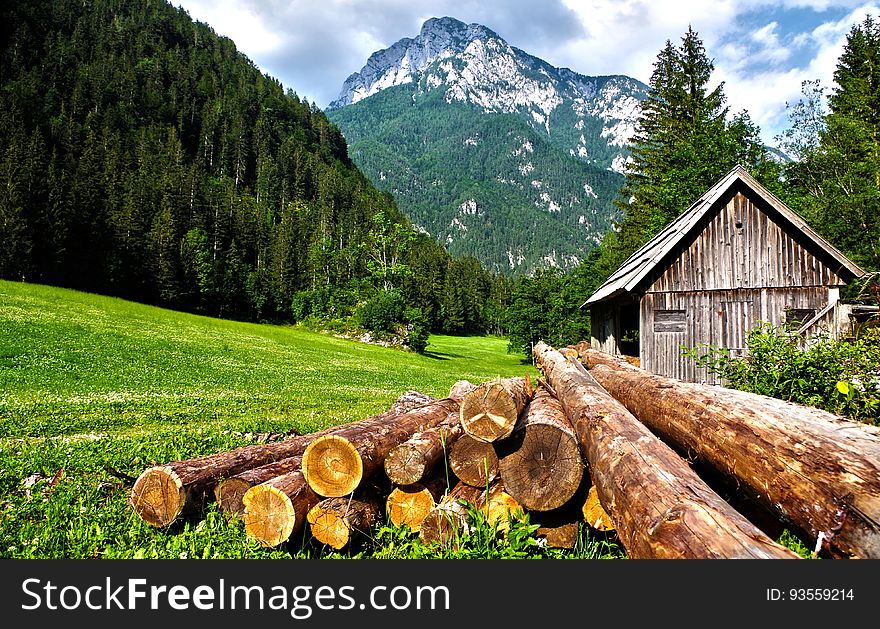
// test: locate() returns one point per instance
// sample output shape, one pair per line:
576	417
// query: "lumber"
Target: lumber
817	472
659	506
542	466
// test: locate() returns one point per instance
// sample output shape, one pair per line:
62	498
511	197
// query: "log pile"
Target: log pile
596	444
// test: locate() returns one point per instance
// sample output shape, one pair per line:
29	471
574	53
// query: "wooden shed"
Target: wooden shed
735	258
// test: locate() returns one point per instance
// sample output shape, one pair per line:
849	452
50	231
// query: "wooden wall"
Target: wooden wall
740	269
742	247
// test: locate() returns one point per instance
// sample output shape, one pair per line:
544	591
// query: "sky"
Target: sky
762	50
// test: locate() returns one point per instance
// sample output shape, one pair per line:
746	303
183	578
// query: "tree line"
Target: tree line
145	157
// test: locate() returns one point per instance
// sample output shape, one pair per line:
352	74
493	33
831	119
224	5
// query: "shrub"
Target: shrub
381	312
840	376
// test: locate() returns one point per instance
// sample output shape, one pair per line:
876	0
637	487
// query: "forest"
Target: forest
145	157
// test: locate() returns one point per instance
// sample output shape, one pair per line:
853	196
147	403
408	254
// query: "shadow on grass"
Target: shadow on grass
441	356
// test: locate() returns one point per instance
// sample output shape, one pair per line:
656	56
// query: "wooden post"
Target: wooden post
660	507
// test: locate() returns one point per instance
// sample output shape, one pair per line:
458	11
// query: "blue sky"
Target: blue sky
762	50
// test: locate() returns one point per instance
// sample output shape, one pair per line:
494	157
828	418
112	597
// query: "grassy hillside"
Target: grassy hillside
95	388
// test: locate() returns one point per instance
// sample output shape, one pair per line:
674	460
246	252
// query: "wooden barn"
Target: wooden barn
735	258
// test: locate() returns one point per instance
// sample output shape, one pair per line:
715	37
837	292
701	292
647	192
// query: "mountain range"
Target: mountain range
492	151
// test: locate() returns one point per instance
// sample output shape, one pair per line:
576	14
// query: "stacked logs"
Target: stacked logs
596	443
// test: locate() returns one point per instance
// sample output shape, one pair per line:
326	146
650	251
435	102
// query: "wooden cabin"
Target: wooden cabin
735	258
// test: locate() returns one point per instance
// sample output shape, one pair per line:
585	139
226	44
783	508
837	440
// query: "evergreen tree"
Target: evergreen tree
836	181
684	142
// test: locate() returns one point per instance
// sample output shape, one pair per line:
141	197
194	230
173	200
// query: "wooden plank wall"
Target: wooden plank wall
742	247
721	318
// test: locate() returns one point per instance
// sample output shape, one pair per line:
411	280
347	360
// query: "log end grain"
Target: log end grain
545	468
444	526
332	466
473	461
488	413
405	464
409	506
229	494
595	514
501	508
269	515
329	527
561	536
158	496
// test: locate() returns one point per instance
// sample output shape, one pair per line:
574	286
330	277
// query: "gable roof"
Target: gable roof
637	267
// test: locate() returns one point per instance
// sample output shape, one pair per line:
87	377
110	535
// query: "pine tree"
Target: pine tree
685	141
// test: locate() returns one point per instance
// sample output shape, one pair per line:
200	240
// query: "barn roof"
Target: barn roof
637	267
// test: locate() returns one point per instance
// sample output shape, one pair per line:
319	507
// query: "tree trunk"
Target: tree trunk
816	471
336	522
448	522
334	465
410	461
473	461
409	505
276	509
659	506
163	492
490	411
229	493
542	467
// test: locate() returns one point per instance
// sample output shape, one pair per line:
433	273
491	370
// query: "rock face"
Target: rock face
470	63
492	151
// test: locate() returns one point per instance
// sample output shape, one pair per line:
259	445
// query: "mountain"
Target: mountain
145	157
492	151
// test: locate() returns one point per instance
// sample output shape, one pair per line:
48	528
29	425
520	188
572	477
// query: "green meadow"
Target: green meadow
94	389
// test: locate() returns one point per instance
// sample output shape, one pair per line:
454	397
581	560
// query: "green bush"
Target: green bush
417	330
382	311
840	376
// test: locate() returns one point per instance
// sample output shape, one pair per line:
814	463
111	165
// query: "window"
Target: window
798	316
669	320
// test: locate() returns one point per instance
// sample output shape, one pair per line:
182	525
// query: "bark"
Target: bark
334	465
276	509
490	411
163	492
473	461
337	522
816	471
410	461
659	506
542	466
448	523
229	493
409	505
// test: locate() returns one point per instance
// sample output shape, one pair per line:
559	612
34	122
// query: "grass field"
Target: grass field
93	389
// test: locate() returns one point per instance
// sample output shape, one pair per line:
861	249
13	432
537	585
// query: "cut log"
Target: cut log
595	514
229	492
410	461
276	509
163	492
336	522
460	389
409	505
500	508
559	536
659	506
541	464
490	411
816	471
334	465
473	461
448	521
